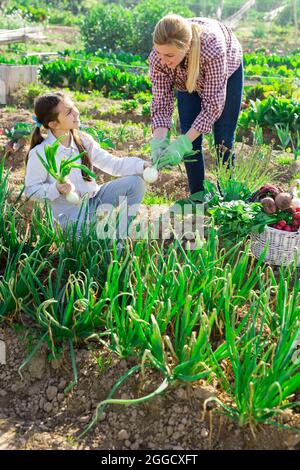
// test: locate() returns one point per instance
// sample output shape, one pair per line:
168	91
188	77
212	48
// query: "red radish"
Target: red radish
282	223
297	209
278	227
297	215
288	228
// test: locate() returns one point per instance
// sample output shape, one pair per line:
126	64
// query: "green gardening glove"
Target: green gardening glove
175	152
157	147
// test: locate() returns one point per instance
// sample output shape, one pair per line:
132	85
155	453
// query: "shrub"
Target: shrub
108	28
60	18
132	29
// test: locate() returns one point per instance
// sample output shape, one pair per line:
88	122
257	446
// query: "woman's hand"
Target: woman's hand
157	147
175	152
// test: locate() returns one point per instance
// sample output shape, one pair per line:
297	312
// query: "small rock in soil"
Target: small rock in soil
51	392
48	407
123	435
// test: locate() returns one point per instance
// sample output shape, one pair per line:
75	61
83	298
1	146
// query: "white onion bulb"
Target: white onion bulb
150	174
73	197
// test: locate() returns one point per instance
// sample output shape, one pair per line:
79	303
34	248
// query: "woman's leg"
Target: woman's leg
189	106
114	193
225	126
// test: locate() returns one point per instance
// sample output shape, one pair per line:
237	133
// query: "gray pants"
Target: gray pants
127	190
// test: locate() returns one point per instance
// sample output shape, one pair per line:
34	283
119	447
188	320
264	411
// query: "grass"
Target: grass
151	199
10	109
284	160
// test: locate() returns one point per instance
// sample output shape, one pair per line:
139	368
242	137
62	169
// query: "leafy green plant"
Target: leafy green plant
237	219
99	136
110	80
284	160
283	135
129	105
146	109
258	138
249	172
20	130
296	145
272	111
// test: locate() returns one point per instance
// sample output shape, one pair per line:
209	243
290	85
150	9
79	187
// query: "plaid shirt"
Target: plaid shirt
221	55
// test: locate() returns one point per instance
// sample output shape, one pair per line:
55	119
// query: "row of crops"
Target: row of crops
212	313
271	87
255	62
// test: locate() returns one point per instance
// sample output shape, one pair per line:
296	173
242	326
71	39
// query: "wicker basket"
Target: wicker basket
283	246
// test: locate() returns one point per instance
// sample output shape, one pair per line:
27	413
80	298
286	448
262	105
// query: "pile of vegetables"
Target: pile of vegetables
237	219
281	205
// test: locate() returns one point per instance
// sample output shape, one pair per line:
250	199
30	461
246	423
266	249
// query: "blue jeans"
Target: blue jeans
189	106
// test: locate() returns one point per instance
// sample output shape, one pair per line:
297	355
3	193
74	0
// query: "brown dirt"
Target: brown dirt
37	414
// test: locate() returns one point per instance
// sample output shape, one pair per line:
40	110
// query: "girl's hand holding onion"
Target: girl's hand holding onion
63	183
66	187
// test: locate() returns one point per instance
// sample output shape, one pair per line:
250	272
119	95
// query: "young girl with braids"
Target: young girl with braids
57	113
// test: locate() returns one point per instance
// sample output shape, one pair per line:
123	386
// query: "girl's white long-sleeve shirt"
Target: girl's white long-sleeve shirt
39	184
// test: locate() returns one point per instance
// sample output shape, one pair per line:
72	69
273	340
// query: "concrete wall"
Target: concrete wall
12	75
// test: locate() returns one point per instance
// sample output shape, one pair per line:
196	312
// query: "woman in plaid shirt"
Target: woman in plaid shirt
202	59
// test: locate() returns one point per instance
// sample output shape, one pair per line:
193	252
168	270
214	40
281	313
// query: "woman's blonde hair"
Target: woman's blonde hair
176	30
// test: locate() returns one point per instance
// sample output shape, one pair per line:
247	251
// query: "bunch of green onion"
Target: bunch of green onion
63	171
